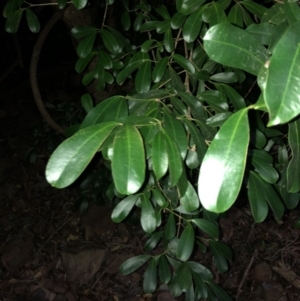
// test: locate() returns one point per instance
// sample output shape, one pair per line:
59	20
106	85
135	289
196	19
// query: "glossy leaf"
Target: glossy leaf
190	200
184	277
258	204
235	15
111	109
82	63
234	97
170	228
159	70
71	157
168	41
126	72
240	48
219	292
192	26
153	241
254	8
79	32
184	63
110	41
79	4
188	6
148	26
163	11
122	210
32	21
186	243
175	161
13	21
275	14
282	92
163	26
292	12
219	256
223	166
128	161
158	198
164	270
125	20
177	20
262	162
293	170
160	159
143	78
218	119
176	130
176	80
216	14
150	277
148	218
263	32
225	77
134	263
207	227
85	46
87	102
61	4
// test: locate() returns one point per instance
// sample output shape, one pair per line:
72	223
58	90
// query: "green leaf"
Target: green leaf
11	7
258	204
184	277
147	45
225	77
175	129
219	256
82	63
134	263
164	270
148	218
159	70
87	102
110	41
125	20
105	59
184	63
61	4
126	72
160	159
168	41
175	161
150	277
148	26
263	32
254	8
201	270
216	14
122	210
292	12
71	157
223	166
153	241
32	20
111	109
263	163
85	46
192	26
189	6
170	228
158	198
79	32
293	170
177	20
13	21
275	14
282	93
79	4
234	97
143	78
163	26
190	200
186	243
215	99
207	227
235	15
219	292
218	119
240	48
176	80
128	161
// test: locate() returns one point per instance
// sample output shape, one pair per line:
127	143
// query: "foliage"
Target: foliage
186	119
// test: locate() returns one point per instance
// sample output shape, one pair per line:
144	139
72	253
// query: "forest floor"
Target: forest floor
50	250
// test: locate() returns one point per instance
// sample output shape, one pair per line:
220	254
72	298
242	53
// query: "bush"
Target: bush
184	142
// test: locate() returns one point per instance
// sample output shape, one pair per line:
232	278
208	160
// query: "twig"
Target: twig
246	273
58	230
